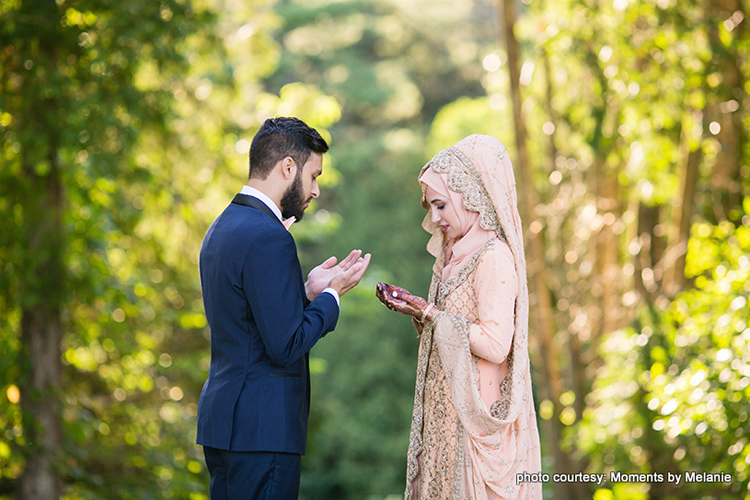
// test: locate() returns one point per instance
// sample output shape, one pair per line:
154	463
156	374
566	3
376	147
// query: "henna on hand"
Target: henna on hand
400	300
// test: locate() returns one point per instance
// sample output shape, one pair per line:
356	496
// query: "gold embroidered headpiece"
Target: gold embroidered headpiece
463	178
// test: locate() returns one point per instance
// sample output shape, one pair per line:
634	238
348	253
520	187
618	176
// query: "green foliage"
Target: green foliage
142	114
465	117
74	111
673	393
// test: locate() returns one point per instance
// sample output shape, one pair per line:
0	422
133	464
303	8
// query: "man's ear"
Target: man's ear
288	168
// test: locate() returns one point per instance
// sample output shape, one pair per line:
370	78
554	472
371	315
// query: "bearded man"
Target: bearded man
264	319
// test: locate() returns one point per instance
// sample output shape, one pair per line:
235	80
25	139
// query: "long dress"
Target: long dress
461	445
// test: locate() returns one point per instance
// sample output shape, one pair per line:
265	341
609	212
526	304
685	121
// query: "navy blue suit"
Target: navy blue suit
257	396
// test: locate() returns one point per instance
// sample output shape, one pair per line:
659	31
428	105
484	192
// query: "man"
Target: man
264	319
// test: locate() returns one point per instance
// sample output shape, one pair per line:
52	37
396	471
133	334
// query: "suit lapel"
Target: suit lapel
252	201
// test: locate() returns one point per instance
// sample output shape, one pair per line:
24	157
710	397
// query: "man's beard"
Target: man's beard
293	201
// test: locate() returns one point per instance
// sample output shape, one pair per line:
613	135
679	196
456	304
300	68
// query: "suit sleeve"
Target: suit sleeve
496	288
289	325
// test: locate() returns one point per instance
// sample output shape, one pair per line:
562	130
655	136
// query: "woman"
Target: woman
474	425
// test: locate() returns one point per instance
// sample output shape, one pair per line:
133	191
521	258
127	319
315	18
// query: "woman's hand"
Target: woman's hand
400	300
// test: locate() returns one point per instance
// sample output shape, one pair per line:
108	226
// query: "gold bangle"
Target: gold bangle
426	310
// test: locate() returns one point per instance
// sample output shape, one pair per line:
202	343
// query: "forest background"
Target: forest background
125	128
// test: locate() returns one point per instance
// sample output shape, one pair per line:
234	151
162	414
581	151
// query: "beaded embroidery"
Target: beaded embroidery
501	407
463	178
444	289
458	471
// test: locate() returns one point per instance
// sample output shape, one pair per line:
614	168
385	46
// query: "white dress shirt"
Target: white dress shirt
251	191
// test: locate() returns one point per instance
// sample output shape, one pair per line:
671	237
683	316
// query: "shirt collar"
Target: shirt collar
250	191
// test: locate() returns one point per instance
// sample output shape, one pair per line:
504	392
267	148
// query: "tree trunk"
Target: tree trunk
607	269
682	209
43	280
41	330
41	335
548	108
645	284
726	110
537	270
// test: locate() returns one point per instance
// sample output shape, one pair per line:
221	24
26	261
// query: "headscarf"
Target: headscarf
457	251
462	173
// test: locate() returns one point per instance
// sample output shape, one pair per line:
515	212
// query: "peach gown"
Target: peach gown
474	425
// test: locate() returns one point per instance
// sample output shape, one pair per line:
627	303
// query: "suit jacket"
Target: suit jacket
257	396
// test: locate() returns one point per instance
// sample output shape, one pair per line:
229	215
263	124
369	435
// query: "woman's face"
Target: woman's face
443	214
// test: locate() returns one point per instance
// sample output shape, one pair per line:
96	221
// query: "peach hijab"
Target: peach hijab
459	251
476	206
478	176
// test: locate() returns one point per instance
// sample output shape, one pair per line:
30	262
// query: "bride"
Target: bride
474	426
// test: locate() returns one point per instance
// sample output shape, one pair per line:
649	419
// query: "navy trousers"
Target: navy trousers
253	475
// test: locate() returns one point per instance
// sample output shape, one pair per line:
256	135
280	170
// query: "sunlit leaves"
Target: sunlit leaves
691	369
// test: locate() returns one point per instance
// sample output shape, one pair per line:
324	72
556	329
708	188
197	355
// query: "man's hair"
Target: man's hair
281	137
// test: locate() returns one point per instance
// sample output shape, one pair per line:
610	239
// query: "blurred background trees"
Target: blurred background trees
125	130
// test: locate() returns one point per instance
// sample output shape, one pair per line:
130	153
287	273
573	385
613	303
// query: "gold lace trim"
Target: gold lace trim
501	407
459	466
415	434
463	178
